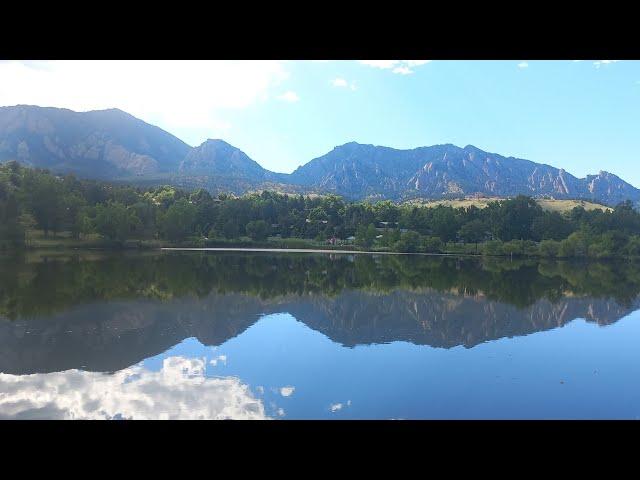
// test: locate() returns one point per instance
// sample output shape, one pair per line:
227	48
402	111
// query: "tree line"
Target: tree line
37	199
32	287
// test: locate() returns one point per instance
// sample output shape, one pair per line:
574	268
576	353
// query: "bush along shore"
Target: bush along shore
41	210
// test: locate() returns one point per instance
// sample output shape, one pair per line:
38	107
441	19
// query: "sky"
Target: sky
583	116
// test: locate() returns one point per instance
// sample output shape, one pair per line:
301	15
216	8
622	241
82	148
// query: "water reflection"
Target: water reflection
105	313
180	390
77	330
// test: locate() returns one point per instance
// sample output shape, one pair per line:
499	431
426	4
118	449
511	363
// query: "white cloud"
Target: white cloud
339	82
380	63
287	391
416	63
289	96
600	63
402	67
180	390
168	93
403	70
342	83
523	65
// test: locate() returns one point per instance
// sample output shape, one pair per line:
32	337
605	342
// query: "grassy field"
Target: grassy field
547	204
567	205
35	239
64	241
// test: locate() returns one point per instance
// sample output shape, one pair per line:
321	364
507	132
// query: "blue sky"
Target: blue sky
583	116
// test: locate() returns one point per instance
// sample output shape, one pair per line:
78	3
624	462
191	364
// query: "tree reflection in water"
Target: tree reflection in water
105	312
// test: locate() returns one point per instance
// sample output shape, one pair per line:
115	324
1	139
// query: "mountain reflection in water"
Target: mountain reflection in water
191	335
107	312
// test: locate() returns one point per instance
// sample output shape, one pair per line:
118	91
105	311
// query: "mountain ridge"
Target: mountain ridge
98	143
112	144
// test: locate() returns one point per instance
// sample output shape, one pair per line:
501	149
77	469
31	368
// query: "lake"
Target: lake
263	335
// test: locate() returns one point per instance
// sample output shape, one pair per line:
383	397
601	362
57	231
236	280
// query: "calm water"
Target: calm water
289	336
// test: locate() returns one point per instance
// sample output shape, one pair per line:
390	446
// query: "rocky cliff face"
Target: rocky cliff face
441	171
98	144
109	144
217	157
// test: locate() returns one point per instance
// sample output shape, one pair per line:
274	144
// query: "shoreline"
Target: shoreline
309	250
157	248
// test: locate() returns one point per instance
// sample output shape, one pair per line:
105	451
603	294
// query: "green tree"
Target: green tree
390	237
257	230
633	246
575	245
513	247
71	205
473	232
514	218
492	247
230	229
409	242
28	223
179	220
115	221
444	223
549	248
45	194
11	231
432	244
84	222
365	236
550	226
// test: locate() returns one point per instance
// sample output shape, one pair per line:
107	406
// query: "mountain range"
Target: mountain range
114	145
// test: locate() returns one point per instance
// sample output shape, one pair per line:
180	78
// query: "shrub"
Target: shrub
549	248
408	243
258	230
492	247
513	247
432	244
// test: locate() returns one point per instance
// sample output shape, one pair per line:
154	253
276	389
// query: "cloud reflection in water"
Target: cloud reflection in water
179	390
